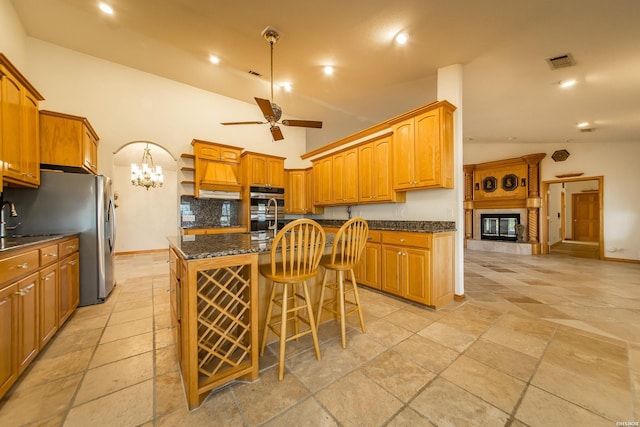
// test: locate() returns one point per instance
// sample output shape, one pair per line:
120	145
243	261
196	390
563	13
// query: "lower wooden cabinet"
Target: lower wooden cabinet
37	294
368	270
48	292
28	337
8	336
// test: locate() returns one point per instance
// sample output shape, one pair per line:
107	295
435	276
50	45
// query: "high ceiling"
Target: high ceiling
510	92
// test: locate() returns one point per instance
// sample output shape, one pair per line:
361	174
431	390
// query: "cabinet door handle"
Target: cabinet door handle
71	247
23	265
73	262
51	254
402	240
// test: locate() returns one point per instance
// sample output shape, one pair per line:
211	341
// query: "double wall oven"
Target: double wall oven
267	207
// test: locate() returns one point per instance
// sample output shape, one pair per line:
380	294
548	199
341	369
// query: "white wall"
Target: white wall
12	35
617	163
555	213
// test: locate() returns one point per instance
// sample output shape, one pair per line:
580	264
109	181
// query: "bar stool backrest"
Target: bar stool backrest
349	242
300	244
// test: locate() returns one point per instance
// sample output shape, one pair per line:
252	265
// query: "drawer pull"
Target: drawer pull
402	240
51	254
73	262
23	265
71	247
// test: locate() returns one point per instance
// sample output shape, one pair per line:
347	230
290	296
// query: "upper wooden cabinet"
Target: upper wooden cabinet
374	172
19	140
345	177
262	169
216	167
68	143
323	181
299	192
423	148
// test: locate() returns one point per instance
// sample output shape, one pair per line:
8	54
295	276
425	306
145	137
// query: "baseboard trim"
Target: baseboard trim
145	251
631	261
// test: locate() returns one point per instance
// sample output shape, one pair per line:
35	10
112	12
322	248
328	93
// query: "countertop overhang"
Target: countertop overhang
24	241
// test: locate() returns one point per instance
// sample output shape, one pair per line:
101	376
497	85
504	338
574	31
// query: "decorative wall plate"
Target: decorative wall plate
489	184
509	182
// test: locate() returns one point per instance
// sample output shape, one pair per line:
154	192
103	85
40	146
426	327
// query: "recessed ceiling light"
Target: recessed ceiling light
105	8
402	38
512	138
214	59
286	86
583	124
328	70
567	83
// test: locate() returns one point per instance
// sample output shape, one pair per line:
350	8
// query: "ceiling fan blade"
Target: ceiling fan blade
243	123
265	107
303	123
276	133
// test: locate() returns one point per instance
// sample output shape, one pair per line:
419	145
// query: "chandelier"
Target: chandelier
146	174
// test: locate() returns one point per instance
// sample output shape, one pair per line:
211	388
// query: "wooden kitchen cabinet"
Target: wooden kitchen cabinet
28	320
295	194
30	296
68	143
69	296
175	273
423	148
323	181
8	336
419	266
310	205
345	177
48	310
19	136
368	270
216	167
262	169
374	172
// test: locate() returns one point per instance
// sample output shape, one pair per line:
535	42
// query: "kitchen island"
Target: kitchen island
219	301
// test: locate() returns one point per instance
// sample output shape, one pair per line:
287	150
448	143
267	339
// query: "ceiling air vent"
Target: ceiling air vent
255	73
561	61
587	130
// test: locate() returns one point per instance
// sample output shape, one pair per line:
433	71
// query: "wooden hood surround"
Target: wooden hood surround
505	184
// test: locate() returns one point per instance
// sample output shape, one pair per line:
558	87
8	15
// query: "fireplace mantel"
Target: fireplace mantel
505	184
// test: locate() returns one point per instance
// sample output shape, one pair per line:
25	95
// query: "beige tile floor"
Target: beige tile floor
539	341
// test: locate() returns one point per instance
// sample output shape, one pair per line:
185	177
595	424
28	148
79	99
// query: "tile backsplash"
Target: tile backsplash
208	213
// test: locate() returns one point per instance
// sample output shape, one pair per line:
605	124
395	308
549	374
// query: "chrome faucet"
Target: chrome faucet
274	226
12	213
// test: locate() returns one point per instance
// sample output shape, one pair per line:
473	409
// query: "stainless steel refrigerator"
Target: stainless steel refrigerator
73	203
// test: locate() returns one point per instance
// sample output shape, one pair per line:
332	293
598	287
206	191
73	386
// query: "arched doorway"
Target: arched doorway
145	217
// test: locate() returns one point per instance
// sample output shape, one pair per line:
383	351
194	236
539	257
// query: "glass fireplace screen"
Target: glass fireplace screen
499	226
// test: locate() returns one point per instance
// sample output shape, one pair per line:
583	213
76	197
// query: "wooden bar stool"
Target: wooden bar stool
347	248
299	245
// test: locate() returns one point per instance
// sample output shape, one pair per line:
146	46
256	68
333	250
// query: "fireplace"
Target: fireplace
499	226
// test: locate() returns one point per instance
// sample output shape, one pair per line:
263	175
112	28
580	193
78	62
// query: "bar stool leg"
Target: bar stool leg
294	300
312	323
322	289
340	296
265	333
283	332
357	298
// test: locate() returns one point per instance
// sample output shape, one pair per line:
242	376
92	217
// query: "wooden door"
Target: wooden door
365	173
323	181
350	176
427	149
11	128
28	336
296	192
90	151
48	303
8	335
275	172
337	168
403	155
258	170
586	217
392	268
31	137
382	185
416	279
369	267
64	295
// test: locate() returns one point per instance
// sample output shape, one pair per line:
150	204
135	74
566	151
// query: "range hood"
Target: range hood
219	181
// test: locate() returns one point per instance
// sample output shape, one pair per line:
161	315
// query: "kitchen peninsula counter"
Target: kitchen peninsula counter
218	304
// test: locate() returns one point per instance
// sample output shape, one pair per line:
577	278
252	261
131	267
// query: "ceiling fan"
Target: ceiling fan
271	111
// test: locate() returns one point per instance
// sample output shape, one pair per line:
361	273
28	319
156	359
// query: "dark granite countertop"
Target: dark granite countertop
23	241
416	226
216	245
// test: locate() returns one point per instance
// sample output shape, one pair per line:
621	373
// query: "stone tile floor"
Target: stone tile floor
539	341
